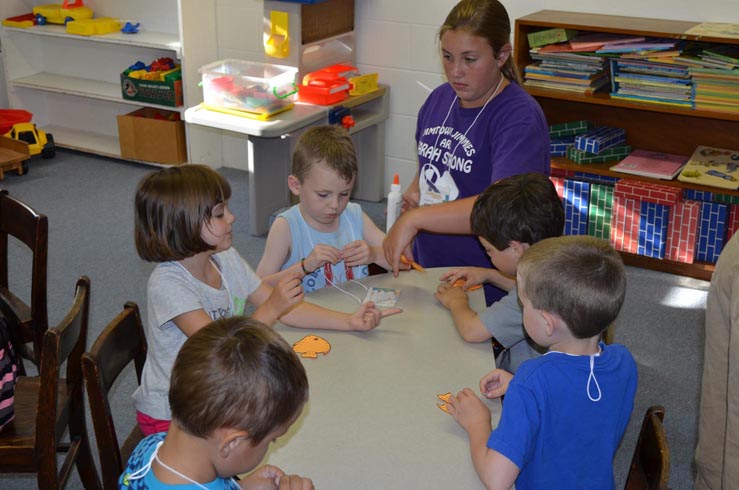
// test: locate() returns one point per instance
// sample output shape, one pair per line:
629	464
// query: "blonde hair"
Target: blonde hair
579	278
330	145
487	19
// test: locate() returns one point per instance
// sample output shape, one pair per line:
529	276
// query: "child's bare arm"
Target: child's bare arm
192	321
479	275
272	303
276	252
495	470
466	320
308	315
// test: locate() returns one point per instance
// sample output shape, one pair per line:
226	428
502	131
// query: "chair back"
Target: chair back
121	342
650	465
64	343
20	221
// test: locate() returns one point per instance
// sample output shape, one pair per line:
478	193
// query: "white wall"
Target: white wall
397	39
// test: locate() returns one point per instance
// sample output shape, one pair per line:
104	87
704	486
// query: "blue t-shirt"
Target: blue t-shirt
561	425
138	474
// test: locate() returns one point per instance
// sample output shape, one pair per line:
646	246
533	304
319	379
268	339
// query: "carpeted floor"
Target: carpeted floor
89	204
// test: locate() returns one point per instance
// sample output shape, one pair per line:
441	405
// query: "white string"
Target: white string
328	281
181	475
464	136
224	284
592	378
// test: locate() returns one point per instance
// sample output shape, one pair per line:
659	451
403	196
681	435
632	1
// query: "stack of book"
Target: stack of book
652	82
572	72
716	83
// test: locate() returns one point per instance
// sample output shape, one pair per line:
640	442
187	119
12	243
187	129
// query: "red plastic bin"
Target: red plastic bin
8	117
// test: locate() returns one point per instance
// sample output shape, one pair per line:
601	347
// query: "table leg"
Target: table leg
269	166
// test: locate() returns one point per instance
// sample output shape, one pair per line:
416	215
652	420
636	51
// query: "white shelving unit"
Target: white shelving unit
71	83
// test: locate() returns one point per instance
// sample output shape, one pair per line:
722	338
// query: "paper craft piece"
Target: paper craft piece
460	282
311	345
414	265
382	297
445	398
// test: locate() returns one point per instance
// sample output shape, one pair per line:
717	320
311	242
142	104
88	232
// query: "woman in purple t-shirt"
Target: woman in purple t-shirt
477	128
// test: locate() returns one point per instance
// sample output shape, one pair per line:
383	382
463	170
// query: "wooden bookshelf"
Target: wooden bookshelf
648	126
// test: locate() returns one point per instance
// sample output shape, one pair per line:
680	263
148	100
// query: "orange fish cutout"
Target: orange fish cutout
460	282
414	265
445	398
311	345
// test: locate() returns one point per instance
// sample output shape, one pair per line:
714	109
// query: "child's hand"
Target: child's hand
471	275
295	482
321	255
357	253
495	383
285	295
411	196
368	316
469	411
265	477
447	294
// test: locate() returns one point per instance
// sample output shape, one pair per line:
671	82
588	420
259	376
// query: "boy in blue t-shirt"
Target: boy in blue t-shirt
236	387
565	412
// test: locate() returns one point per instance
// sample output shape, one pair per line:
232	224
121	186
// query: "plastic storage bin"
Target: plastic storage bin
248	88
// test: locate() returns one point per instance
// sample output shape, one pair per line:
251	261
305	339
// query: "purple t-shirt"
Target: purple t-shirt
462	151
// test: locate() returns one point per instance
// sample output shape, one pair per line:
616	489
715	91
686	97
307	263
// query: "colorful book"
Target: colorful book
550	36
716	167
655	164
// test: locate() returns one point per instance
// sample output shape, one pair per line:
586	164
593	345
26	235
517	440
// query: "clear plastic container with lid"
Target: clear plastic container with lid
248	88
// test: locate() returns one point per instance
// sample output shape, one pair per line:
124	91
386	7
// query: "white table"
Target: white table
271	142
372	420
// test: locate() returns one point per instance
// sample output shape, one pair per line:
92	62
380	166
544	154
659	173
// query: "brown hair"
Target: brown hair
487	19
236	373
579	278
170	209
330	145
524	208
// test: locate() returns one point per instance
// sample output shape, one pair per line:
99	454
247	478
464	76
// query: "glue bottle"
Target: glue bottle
394	203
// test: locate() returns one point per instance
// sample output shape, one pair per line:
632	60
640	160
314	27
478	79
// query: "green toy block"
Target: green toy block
600	210
613	153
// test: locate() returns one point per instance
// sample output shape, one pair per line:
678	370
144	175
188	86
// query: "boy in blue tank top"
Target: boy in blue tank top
565	412
325	238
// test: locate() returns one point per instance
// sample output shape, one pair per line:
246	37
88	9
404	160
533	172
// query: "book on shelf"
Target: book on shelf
715	167
725	52
655	164
595	40
550	36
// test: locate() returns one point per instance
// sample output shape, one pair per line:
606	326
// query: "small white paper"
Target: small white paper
382	297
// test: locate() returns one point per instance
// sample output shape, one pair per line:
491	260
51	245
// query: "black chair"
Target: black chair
120	343
47	406
20	221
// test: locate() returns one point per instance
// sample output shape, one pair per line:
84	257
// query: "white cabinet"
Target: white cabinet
71	83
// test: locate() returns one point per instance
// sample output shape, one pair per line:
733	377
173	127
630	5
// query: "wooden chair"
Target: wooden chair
650	466
47	405
121	342
22	222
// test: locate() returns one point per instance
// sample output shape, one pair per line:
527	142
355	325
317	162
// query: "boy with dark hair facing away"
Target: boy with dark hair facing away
236	386
508	217
565	412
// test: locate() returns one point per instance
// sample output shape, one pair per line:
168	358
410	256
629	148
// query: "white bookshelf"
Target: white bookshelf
71	83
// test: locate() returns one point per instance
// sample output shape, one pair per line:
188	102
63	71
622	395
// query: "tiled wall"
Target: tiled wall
397	39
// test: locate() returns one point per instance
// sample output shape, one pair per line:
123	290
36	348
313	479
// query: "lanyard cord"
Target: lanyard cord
464	136
313	245
223	282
